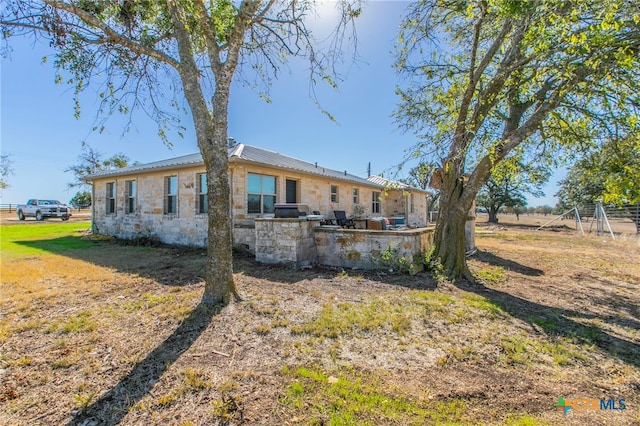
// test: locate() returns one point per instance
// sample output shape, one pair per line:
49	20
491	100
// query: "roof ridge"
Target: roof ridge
309	163
244	152
237	150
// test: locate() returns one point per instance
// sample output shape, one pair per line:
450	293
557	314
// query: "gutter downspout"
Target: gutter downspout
94	229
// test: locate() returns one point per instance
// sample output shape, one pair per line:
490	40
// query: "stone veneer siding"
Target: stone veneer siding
186	227
362	248
190	229
287	241
298	242
314	191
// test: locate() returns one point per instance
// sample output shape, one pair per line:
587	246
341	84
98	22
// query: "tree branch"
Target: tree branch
188	70
112	35
210	37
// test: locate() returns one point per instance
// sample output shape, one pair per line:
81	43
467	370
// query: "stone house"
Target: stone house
168	199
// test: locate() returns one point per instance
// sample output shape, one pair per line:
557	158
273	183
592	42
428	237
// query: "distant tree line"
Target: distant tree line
90	162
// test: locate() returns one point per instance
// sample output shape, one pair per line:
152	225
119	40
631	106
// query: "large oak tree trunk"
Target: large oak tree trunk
211	134
220	287
493	215
449	235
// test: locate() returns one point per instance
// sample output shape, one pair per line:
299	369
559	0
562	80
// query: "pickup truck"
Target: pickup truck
41	209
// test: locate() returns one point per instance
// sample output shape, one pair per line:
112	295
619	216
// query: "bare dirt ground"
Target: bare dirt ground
115	334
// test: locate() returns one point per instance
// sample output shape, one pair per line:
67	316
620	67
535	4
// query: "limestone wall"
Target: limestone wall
411	205
365	248
244	237
188	227
286	241
299	242
312	190
148	219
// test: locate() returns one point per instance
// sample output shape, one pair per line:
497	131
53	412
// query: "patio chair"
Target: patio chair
341	219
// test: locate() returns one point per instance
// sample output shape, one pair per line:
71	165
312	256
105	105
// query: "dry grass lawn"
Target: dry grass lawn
97	332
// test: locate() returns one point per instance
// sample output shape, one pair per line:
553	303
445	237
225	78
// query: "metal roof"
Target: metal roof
171	163
238	152
392	184
271	158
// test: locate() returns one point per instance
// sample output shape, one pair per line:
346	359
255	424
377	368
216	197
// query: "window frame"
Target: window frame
168	196
262	194
202	197
334	196
376	203
110	198
355	195
131	197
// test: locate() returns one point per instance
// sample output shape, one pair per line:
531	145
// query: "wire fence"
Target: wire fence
621	219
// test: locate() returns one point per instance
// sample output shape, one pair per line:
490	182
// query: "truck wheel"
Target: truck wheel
64	218
20	215
39	216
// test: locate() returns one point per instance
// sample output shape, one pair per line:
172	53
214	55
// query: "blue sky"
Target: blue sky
38	129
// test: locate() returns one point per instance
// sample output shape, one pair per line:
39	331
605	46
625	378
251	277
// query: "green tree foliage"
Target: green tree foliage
583	185
81	200
611	175
419	177
489	77
143	54
622	164
5	170
91	161
508	185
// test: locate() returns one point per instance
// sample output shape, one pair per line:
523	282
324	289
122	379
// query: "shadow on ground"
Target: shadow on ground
178	266
115	404
167	265
247	265
556	321
510	265
560	322
183	266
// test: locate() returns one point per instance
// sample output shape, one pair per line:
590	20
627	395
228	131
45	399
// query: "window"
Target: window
375	203
334	193
111	198
411	203
171	195
355	195
261	193
202	203
132	192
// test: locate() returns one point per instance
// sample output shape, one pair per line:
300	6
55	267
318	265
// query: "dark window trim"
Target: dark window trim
129	207
110	198
168	196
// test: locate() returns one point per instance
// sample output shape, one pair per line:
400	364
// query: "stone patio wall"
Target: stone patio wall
299	242
286	241
368	249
